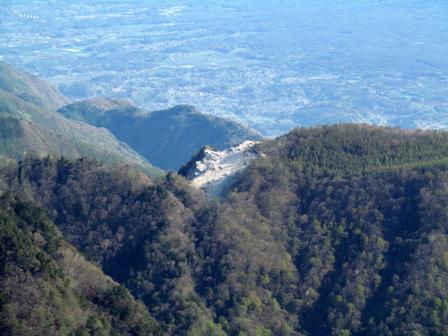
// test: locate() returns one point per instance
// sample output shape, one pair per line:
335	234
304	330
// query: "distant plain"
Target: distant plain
271	64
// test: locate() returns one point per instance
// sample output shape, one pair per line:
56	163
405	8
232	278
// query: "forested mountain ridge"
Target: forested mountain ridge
355	207
137	229
30	126
166	138
338	230
356	149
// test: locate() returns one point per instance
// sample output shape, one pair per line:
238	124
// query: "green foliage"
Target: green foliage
39	296
357	149
334	231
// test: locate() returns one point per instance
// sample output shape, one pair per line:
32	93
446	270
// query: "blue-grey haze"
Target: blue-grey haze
272	64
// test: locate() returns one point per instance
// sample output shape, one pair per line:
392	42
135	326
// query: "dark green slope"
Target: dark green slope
29	126
165	138
336	230
47	287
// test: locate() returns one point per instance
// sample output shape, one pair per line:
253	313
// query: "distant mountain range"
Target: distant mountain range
166	138
30	126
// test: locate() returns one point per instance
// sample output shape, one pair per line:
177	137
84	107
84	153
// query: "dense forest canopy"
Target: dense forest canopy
48	288
337	230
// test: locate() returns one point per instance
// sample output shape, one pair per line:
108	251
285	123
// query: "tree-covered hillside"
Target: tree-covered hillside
48	288
135	228
336	230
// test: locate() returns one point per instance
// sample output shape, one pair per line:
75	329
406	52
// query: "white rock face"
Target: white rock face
216	170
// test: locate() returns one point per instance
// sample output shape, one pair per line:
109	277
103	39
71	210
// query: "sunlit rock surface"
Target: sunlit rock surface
213	171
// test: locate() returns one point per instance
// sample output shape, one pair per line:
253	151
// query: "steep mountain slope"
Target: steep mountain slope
30	88
331	231
28	126
48	288
165	138
138	230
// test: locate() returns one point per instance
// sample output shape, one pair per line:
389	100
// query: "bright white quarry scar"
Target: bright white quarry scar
217	168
